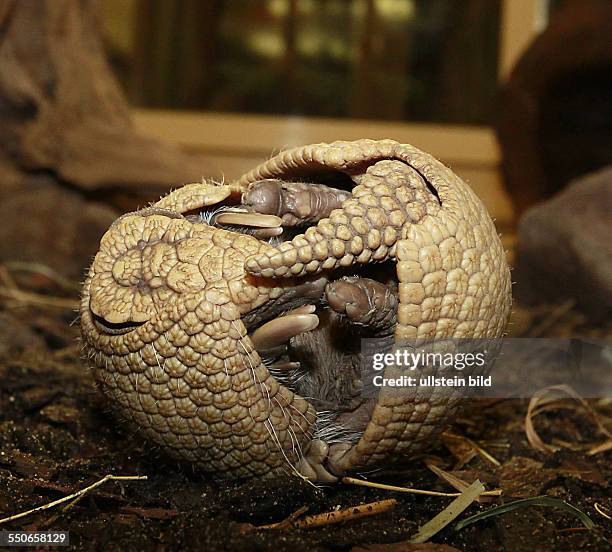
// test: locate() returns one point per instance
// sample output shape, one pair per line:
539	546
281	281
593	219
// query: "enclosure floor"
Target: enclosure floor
56	437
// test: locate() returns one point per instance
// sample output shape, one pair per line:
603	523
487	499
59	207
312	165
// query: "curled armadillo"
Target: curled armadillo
224	321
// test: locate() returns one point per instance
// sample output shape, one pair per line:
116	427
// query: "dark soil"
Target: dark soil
57	437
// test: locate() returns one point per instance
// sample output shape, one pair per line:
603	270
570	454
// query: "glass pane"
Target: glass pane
403	60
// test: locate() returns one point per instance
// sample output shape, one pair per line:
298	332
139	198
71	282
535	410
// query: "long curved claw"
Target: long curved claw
278	331
239	218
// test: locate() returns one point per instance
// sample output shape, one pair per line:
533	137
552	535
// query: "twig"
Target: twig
50	521
75	496
71	504
598	449
486	455
288	521
481	451
460	484
361	482
31	298
330	518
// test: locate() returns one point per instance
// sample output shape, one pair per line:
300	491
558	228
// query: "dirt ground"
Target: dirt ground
56	437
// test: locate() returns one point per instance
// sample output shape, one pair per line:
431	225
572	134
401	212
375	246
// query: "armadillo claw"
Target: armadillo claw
311	465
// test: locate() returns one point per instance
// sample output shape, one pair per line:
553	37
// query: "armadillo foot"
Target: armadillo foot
296	203
364	302
336	454
311	464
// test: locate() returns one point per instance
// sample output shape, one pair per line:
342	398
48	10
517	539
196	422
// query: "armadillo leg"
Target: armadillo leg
389	199
296	203
366	303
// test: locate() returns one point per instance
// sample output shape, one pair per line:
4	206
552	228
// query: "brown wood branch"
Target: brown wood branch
330	518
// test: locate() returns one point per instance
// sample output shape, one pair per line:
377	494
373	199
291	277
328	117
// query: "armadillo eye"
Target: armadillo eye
111	328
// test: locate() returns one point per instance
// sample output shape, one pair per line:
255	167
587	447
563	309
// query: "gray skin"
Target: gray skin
230	337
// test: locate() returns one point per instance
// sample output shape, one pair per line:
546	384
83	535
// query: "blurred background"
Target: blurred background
106	105
239	80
